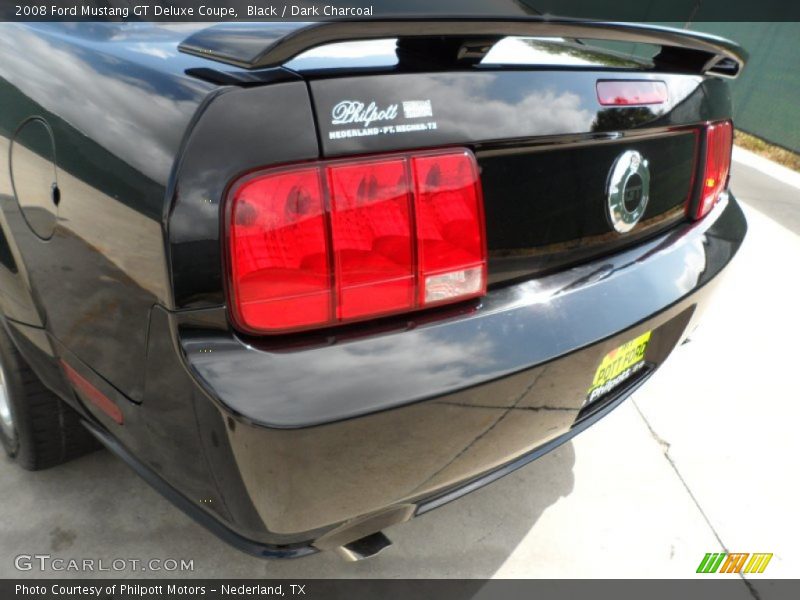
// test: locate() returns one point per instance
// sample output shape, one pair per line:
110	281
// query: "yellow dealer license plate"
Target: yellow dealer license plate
618	365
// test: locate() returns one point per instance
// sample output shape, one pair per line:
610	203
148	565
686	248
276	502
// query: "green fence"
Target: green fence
766	96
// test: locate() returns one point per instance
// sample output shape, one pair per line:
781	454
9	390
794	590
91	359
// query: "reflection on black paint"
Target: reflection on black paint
620	119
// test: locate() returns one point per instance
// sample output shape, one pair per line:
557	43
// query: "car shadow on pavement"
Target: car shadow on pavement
97	508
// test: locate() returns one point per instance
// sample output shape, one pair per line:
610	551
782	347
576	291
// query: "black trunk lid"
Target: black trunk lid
545	146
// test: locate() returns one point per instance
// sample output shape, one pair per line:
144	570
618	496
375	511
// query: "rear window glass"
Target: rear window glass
563	52
534	51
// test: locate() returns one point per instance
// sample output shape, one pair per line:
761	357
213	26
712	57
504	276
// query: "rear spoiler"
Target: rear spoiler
460	41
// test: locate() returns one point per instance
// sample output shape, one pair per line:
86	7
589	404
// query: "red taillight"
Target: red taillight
341	241
625	93
719	141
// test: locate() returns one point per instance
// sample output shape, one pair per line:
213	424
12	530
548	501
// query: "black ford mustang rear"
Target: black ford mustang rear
312	280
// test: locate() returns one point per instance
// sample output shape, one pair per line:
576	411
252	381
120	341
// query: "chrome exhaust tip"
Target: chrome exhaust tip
364	547
363	537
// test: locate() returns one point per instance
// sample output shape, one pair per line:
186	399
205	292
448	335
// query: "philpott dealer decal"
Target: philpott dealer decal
373	119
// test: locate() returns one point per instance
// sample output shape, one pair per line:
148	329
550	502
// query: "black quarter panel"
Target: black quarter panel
94	277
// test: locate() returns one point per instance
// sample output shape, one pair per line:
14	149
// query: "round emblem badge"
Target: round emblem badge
628	190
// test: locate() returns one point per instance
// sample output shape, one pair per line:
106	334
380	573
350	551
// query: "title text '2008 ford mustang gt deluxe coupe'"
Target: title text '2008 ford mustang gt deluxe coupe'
311	280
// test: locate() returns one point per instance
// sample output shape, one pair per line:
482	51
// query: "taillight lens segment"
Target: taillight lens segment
719	142
450	230
341	241
372	243
279	251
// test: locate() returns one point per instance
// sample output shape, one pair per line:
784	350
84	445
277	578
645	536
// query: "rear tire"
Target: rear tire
37	429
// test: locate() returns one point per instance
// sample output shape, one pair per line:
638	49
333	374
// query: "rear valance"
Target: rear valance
261	45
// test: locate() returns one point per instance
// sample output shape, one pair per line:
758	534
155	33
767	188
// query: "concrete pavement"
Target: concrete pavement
768	187
703	459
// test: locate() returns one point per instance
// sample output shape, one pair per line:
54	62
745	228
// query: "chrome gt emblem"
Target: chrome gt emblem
628	190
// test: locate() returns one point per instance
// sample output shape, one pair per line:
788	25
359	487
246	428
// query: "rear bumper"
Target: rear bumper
324	440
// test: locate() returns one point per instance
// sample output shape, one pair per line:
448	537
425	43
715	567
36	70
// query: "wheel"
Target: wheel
37	428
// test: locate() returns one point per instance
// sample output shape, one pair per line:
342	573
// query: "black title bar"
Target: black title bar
715	586
673	11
